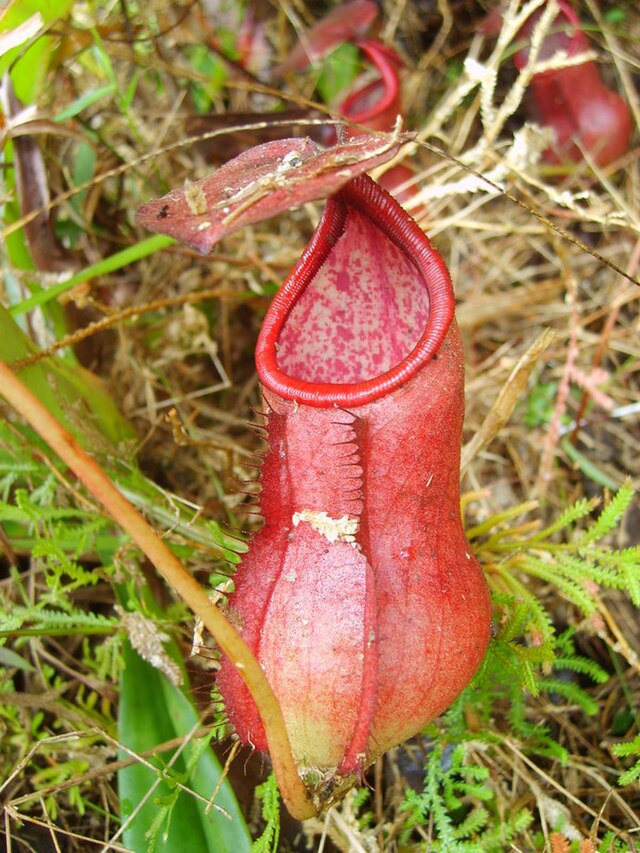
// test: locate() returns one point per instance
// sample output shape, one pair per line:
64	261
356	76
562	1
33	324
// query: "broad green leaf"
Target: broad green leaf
338	72
19	256
74	395
153	711
29	71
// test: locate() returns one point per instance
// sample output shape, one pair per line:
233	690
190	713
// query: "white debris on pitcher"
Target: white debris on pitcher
333	529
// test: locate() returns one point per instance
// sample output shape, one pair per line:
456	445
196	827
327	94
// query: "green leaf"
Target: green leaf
610	516
107	265
617	15
85	101
270	796
630	775
339	70
18	255
29	71
18	620
153	711
540	404
625	749
12	660
75	396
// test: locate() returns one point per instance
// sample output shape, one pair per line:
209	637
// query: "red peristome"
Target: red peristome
574	101
360	596
391	252
378	104
400	182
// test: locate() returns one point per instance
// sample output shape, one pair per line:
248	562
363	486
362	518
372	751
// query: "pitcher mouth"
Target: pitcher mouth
366	307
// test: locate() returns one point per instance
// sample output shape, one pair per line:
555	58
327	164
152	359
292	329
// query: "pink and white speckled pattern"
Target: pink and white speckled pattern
361	315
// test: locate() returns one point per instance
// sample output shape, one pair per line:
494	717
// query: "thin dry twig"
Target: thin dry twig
507	399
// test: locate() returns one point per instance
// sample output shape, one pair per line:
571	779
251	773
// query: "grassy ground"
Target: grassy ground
149	362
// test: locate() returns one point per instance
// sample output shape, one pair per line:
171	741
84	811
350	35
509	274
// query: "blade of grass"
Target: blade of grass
588	468
86	100
114	262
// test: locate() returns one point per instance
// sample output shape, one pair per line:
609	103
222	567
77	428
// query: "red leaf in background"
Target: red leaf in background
346	22
260	183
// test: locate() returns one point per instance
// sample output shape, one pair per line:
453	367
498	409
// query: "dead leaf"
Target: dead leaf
33	189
